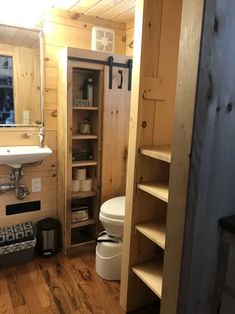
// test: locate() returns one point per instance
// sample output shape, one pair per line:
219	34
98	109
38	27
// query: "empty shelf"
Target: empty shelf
155	230
84	163
151	274
83	194
159	190
158	152
84	137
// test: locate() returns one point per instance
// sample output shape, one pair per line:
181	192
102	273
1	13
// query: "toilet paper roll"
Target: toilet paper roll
76	185
86	185
80	174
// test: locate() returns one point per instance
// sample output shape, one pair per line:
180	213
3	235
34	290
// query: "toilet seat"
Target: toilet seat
112	214
114	208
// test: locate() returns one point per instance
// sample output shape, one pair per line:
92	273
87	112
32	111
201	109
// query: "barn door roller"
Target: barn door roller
110	62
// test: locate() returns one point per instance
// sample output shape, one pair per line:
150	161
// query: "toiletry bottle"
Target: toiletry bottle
90	91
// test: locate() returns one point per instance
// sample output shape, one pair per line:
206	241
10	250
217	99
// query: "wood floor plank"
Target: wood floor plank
57	285
17	298
5	300
104	292
24	309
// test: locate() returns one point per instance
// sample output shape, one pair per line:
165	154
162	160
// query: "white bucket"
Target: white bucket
108	258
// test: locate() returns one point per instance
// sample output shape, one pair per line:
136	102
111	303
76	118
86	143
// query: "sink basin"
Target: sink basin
16	156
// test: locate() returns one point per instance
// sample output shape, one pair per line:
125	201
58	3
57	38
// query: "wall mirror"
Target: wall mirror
21	76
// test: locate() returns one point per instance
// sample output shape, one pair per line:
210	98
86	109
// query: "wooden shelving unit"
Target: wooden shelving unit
155	230
150	157
79	150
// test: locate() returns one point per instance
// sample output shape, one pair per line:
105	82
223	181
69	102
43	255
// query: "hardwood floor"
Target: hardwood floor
60	285
57	285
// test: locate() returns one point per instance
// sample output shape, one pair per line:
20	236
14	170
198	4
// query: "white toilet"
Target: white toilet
109	242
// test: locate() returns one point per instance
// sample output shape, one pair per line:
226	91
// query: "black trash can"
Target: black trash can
48	237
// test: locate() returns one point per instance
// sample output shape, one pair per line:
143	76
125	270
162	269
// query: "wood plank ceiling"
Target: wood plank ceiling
121	11
14	36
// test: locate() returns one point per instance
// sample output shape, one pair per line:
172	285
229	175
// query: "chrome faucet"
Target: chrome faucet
41	135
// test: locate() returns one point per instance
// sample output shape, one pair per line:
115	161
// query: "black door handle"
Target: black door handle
121	73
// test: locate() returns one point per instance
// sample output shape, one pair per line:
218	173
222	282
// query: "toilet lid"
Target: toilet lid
114	208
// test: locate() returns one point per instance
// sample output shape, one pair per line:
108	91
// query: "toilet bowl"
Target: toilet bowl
109	242
112	215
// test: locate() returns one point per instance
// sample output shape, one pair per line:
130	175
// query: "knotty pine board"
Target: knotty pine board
59	31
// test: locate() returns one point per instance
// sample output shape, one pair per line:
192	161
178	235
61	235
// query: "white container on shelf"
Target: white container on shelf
86	185
109	258
80	173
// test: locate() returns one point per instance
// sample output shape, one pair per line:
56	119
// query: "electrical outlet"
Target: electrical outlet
36	185
26	117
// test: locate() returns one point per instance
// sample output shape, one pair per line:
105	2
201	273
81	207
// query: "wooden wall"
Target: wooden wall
129	38
60	30
212	171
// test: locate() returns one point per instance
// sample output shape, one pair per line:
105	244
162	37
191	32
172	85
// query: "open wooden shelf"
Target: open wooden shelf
82	223
155	230
159	189
151	274
84	137
84	163
158	152
85	108
81	194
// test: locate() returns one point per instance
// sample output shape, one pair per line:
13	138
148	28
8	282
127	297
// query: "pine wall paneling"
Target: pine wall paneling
60	29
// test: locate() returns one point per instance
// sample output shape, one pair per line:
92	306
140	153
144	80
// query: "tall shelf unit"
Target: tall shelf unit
79	151
161	124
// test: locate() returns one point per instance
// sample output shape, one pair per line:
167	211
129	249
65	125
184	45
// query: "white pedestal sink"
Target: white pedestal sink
16	156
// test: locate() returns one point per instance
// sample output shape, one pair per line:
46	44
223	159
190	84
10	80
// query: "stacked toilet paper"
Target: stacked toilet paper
81	182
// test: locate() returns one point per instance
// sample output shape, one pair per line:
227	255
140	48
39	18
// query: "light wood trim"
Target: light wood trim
81	194
82	223
84	137
159	190
85	108
97	55
151	274
84	163
155	89
192	16
128	285
158	152
155	230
